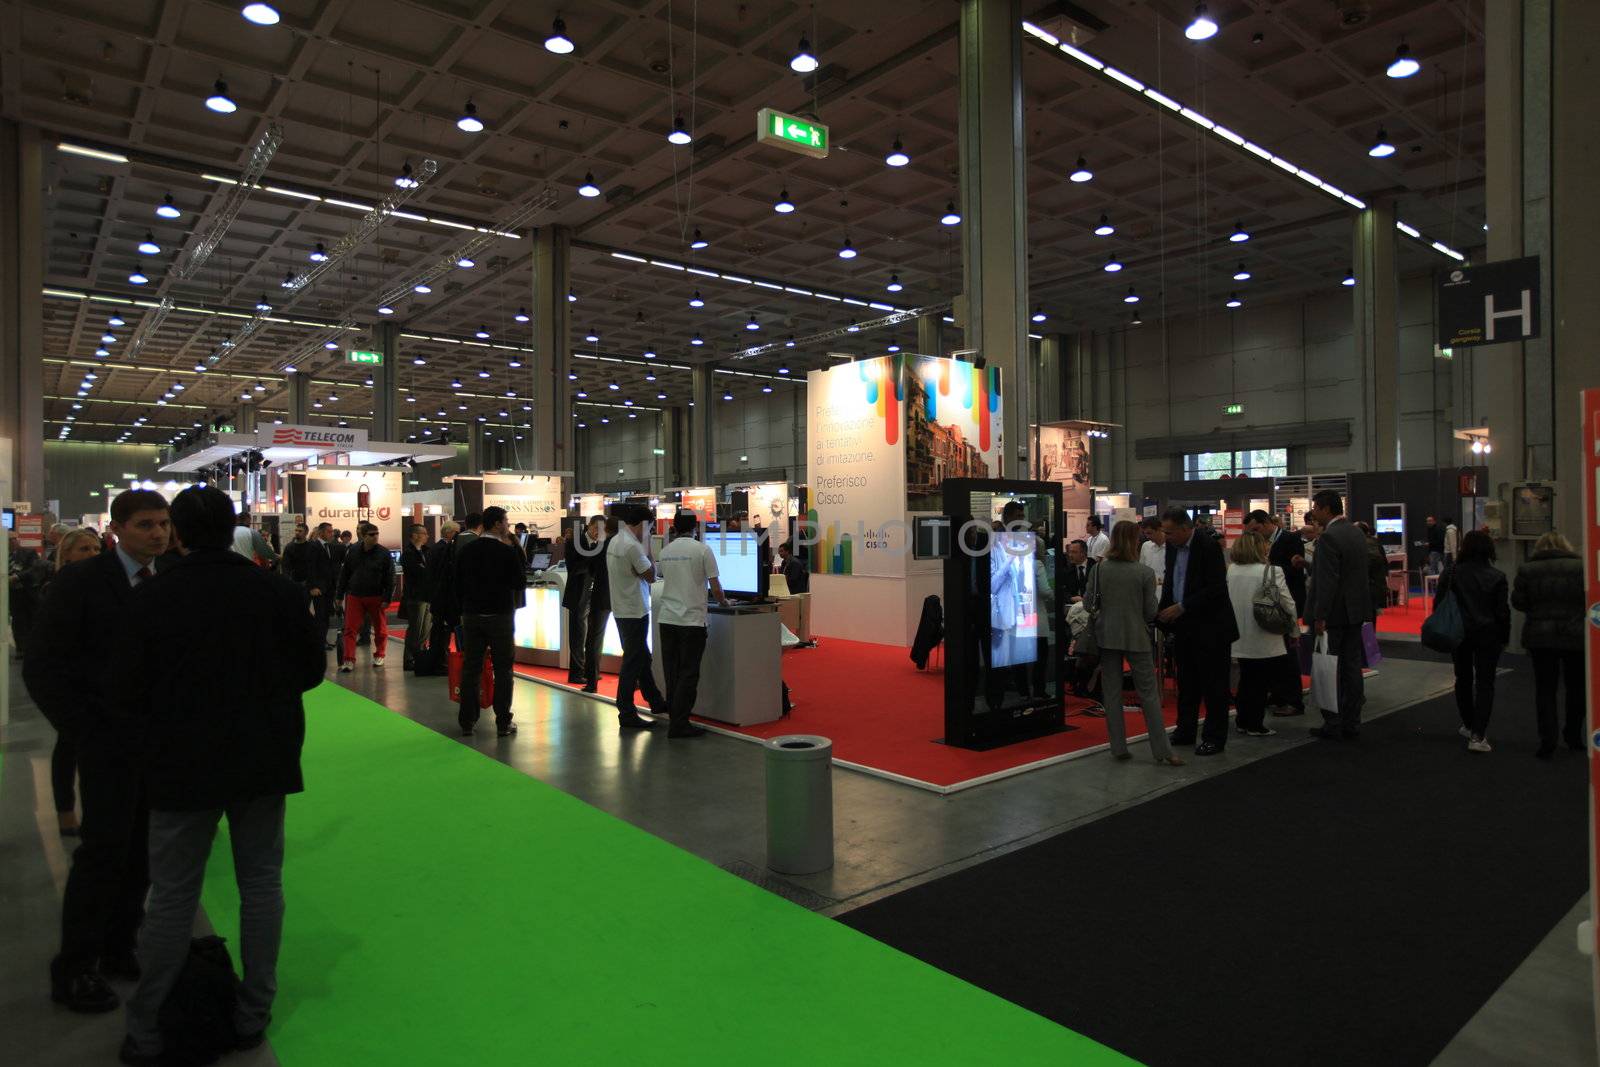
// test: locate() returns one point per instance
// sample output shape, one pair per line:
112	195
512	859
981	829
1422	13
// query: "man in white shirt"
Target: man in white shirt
1099	544
1153	552
629	571
687	567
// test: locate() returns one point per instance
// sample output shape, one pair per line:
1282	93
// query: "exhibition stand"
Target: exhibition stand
739	678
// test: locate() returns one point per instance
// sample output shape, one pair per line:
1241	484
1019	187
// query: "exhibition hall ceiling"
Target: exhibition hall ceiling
363	88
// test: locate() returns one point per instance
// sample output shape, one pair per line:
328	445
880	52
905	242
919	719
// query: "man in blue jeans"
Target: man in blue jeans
225	743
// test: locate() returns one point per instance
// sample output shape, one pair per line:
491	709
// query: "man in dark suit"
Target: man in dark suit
309	561
524	542
1196	611
1341	603
444	608
1079	568
69	677
1286	551
575	597
599	605
227	744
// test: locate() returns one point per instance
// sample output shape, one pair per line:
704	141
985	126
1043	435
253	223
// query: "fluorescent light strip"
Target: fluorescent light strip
668	266
1447	250
800	292
769	285
347	204
1197	118
1131	82
1043	35
629	258
1283	164
294	193
453	224
703	272
1082	57
91	153
1164	101
1407	229
735	278
853	301
409	216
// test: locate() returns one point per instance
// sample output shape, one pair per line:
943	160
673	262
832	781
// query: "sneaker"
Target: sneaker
1478	744
1256	731
1466	734
377	661
346	668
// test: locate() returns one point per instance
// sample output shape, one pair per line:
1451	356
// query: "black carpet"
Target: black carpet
1333	904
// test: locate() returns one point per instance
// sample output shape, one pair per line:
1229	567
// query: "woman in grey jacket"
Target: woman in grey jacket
1549	590
1122	600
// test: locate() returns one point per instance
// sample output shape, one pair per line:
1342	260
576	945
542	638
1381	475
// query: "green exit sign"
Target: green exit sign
658	451
792	132
357	356
1233	409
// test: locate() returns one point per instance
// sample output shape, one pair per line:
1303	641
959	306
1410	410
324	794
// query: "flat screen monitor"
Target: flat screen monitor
539	562
8	519
737	560
1391	526
1013	600
395	553
930	537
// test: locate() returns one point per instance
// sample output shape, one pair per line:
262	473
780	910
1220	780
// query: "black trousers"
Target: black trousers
577	638
491	633
1345	643
418	618
635	673
682	648
599	612
1288	690
1475	666
1548	667
1202	667
64	773
322	609
104	900
1256	678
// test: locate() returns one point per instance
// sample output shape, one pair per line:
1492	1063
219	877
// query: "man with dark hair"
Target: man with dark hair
1153	548
366	585
630	573
309	562
1341	601
228	747
1196	611
416	593
524	541
69	678
794	570
492	584
575	595
1098	544
471	530
688	568
599	602
1435	545
248	542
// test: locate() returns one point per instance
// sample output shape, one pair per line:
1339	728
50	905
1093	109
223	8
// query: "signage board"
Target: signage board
346	496
534	499
806	136
320	438
355	355
1233	409
1490	304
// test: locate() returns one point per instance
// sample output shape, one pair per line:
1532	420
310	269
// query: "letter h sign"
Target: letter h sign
1492	303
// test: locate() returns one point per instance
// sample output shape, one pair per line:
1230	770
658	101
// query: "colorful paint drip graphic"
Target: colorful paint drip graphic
976	388
886	391
831	554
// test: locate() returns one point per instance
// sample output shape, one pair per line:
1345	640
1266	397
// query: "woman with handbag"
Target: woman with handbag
1121	599
1264	612
1480	592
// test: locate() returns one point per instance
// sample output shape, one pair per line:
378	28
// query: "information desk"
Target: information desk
541	635
739	676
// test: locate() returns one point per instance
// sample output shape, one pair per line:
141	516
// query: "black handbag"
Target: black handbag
1268	610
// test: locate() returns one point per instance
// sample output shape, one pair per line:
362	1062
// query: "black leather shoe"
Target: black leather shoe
507	730
592	687
634	722
466	731
1207	748
1328	733
687	731
120	967
87	993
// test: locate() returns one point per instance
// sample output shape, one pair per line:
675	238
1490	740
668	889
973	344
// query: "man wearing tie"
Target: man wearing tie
1196	611
67	677
1079	567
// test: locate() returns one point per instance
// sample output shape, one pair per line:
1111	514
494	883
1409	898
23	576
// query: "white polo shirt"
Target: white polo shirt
625	560
686	567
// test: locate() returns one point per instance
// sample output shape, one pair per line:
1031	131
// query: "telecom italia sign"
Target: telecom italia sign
321	438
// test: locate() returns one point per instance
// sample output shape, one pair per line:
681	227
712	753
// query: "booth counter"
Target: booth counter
540	635
739	676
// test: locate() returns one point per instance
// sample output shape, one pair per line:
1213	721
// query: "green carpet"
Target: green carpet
444	908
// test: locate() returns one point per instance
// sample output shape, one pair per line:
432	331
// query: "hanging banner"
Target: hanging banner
769	506
855	443
953	420
352	495
1488	304
1064	457
701	501
534	499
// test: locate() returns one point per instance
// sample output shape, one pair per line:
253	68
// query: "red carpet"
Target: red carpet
1404	622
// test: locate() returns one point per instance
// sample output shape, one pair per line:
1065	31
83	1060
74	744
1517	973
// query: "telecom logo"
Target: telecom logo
294	436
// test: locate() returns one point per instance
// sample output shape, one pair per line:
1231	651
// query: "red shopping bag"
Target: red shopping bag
456	663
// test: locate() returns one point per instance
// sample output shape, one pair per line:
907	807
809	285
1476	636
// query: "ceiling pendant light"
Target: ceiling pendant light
1112	265
138	276
784	205
1403	66
588	188
466	262
262	305
650	353
897	155
768	388
483	372
260	14
1038	313
1201	27
318	254
514	363
116	320
752	324
482	334
107	339
404	179
679	134
572	297
803	61
697	301
649	375
469	122
854	327
331	346
455	383
784	369
288	280
1382	147
167	209
1234	301
385	309
219	101
613	386
148	246
1081	172
521	315
727	396
788	344
847	250
1239	234
558	41
951	216
698	242
697	340
422	287
592	337
1349	278
894	285
1104	229
1242	274
1132	297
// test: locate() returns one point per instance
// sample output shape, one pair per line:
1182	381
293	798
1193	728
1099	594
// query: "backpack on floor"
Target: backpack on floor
197	1019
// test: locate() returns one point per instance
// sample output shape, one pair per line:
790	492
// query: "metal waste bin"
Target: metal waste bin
799	804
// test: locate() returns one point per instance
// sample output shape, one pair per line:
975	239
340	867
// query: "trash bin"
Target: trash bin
799	804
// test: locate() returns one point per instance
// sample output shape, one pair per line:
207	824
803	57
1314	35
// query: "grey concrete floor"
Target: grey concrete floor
707	796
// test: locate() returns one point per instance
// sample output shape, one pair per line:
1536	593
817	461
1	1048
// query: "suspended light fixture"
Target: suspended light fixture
522	315
404	179
853	327
698	241
514	363
138	276
1081	172
613	386
385	309
1038	313
418	361
894	285
318	254
752	324
482	334
661	396
167	209
1137	319
697	340
1234	301
591	336
727	396
588	188
1201	27
650	353
1132	297
469	122
649	375
558	41
784	369
891	348
788	344
262	305
1381	148
697	301
951	216
148	246
1239	234
1403	66
219	101
1242	274
466	263
847	250
784	205
1112	265
1349	278
679	134
581	393
116	320
258	387
572	297
483	372
422	287
804	61
897	155
1104	229
331	346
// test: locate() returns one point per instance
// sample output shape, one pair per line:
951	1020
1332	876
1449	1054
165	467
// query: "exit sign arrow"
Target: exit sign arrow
791	132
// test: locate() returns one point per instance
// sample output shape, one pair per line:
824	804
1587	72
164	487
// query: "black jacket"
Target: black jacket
1207	611
310	563
367	572
419	580
1289	545
442	587
1549	590
796	575
1070	586
66	669
491	577
1480	592
582	558
211	681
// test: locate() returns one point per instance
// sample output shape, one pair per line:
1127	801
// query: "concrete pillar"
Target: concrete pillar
477	448
930	331
674	433
1052	379
297	397
385	383
552	427
246	417
701	463
1376	298
21	314
994	237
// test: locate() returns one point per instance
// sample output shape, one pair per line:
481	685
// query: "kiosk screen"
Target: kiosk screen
737	557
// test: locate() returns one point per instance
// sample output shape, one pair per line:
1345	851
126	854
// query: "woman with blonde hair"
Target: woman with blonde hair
1122	602
1549	591
1261	653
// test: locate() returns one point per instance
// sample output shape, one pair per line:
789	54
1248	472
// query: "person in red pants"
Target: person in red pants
366	585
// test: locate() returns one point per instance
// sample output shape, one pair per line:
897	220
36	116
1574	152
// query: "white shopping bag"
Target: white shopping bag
1324	676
